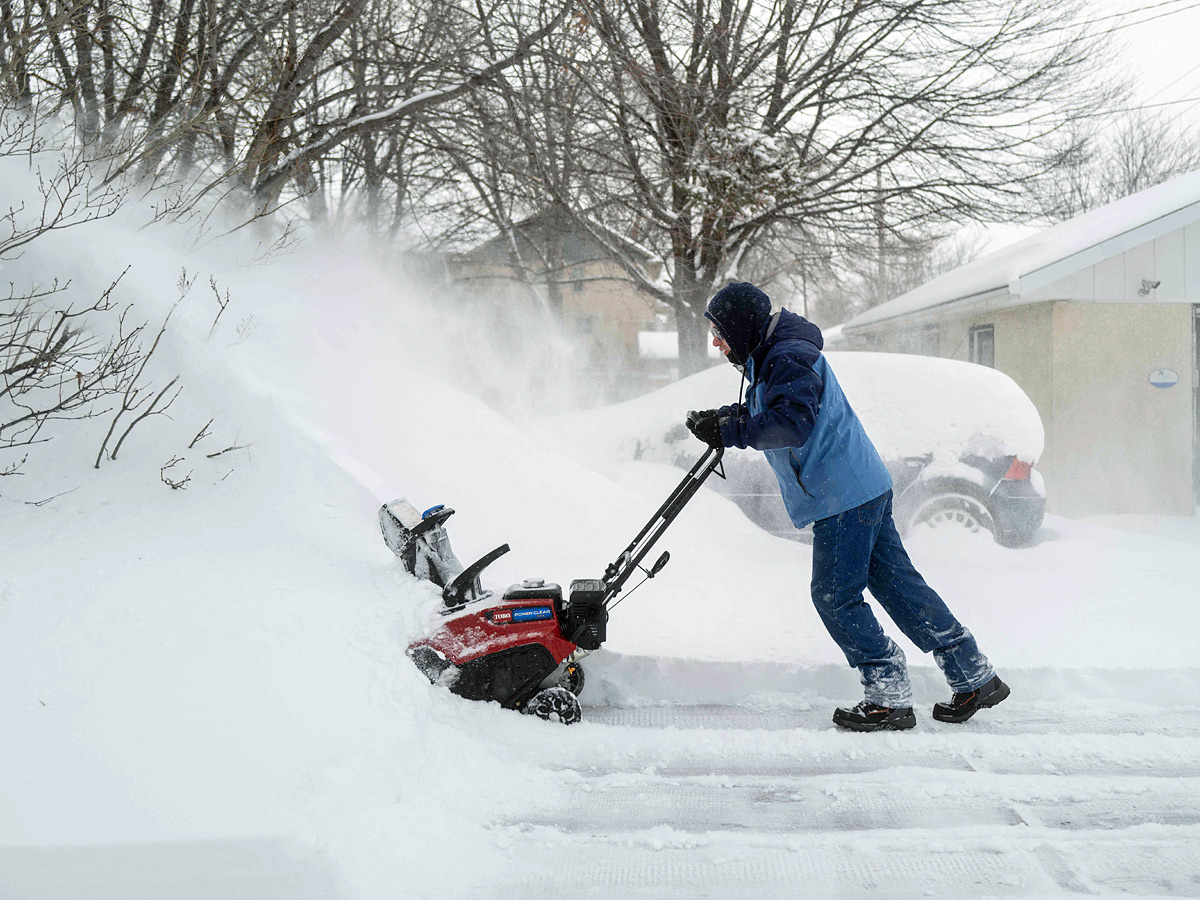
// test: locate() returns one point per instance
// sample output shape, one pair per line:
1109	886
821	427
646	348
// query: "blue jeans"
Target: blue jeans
858	549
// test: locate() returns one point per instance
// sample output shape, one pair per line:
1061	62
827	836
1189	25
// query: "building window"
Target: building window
923	341
983	345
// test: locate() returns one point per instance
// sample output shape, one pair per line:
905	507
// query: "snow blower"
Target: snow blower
521	649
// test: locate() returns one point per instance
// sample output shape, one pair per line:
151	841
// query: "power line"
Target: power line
1132	12
1128	109
1150	106
1162	15
1126	13
1175	82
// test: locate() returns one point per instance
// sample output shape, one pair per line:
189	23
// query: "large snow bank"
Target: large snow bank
226	660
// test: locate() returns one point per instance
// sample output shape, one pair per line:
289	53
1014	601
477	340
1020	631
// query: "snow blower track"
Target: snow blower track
725	802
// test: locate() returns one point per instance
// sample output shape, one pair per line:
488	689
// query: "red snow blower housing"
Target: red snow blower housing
521	649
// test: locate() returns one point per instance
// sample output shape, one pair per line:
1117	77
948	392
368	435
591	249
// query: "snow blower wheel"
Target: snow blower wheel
572	678
554	704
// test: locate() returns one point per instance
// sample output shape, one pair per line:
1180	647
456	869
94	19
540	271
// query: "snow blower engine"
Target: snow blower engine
521	649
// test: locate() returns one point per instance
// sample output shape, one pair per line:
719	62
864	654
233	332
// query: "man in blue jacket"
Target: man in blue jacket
831	476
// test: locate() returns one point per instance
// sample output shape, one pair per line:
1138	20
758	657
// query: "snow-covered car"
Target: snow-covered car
960	440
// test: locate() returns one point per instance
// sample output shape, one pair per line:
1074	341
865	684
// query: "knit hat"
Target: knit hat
741	313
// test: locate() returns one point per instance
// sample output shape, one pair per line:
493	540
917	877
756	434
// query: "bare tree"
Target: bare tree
62	358
715	125
517	146
281	98
1111	159
430	74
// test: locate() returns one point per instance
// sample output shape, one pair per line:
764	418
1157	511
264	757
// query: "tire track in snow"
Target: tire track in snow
715	801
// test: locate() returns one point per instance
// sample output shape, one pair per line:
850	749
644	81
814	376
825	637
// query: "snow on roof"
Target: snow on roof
664	345
834	338
1073	245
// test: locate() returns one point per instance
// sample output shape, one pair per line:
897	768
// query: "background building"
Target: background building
552	264
1098	320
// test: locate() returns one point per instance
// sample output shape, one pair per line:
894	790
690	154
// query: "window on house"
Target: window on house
924	340
983	345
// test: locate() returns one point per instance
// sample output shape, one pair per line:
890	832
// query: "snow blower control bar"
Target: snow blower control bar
623	566
589	600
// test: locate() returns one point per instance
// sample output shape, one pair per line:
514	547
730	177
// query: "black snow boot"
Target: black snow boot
869	717
963	706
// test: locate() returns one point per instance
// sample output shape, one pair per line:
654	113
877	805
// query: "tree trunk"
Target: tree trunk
554	271
693	340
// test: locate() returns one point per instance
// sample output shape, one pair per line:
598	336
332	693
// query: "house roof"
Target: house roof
834	338
586	246
1017	270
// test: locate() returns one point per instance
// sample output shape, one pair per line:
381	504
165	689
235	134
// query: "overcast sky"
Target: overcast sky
1162	52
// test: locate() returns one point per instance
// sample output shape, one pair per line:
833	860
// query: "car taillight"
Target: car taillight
1018	471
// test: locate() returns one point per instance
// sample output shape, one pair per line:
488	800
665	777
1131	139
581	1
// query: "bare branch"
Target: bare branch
200	435
175	484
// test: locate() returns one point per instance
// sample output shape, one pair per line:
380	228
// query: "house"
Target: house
1098	320
552	264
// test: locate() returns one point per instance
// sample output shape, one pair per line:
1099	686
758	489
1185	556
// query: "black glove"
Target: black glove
705	425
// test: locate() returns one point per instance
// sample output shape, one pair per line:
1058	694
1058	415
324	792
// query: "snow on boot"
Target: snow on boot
869	717
554	703
963	706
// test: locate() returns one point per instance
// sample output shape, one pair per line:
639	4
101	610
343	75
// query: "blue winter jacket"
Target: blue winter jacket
796	413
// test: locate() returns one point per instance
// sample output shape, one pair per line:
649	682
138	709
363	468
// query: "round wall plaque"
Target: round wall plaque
1164	378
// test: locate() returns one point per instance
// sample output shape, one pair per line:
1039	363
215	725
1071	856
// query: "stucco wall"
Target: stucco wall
1114	442
1024	351
1122	445
614	310
606	313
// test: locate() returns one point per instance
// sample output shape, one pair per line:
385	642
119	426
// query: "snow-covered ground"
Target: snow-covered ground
204	691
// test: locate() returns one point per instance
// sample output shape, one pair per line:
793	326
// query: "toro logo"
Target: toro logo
501	616
531	613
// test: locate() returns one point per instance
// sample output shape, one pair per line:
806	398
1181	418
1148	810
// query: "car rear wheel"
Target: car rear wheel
950	511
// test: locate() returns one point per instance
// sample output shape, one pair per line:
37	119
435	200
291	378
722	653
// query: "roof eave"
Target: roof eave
994	298
1114	246
1022	286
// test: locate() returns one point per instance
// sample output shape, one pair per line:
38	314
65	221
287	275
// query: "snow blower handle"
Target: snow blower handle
622	567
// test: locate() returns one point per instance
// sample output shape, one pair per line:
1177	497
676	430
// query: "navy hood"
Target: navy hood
741	313
793	327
